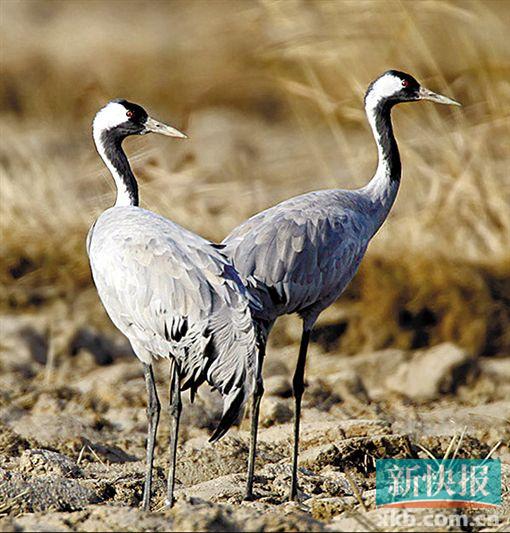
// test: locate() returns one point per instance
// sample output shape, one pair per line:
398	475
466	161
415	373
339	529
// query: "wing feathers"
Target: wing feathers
173	294
301	252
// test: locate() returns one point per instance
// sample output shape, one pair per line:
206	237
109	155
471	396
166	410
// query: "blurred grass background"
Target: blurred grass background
271	96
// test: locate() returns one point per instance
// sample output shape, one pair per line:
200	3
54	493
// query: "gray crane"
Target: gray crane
299	255
170	292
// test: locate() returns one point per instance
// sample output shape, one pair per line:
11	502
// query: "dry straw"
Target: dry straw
273	107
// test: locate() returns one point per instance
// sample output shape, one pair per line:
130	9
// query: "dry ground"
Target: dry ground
72	438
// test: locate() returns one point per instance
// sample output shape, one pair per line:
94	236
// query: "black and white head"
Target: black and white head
394	87
113	123
119	118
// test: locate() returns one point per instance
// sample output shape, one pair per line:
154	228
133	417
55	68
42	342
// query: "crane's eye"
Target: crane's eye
130	114
405	83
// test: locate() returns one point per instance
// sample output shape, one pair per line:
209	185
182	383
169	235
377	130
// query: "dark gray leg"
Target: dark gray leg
153	410
175	414
255	407
298	386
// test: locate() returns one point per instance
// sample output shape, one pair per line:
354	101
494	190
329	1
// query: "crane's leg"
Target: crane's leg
175	414
298	387
258	391
153	410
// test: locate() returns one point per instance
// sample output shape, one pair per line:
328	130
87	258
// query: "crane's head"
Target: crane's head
394	87
121	118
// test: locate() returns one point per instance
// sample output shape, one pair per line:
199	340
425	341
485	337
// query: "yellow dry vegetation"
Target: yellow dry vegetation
271	96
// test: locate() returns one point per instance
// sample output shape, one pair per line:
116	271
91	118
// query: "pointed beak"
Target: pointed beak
154	126
426	94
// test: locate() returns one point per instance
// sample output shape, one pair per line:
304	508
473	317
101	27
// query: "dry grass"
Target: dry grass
412	302
271	94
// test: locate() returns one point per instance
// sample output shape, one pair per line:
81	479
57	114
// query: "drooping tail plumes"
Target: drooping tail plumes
232	409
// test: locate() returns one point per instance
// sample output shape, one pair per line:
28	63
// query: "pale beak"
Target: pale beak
154	126
426	94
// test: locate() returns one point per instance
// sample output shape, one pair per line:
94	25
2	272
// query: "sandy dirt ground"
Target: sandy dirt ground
73	432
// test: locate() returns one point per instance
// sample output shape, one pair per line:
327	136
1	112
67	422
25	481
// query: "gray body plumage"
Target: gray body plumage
174	295
299	255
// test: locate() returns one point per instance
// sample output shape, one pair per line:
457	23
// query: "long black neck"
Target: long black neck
109	146
383	187
386	143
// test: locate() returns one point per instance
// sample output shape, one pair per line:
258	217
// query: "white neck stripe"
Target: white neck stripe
123	194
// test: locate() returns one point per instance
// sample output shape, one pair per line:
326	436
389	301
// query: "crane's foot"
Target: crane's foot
146	501
145	505
297	495
169	503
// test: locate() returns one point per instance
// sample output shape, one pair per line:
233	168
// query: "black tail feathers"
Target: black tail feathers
231	413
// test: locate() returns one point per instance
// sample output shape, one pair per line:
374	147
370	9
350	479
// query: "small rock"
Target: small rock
319	395
327	508
369	366
123	518
348	385
277	481
201	461
432	372
274	411
41	494
218	489
335	483
42	462
53	522
95	518
278	386
318	457
52	429
498	368
288	518
364	428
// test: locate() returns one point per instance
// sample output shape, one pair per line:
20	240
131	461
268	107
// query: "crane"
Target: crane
299	256
170	292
